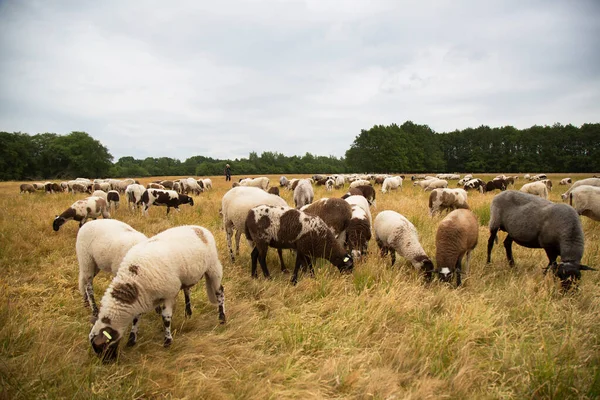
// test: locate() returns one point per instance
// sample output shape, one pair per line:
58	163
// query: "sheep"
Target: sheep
104	186
496	183
134	194
153	185
329	183
548	184
113	198
292	183
283	181
587	181
362	202
39	186
475	184
101	246
391	183
235	206
336	213
192	185
81	188
565	181
52	187
536	188
587	201
101	194
153	272
396	234
261	182
81	210
436	184
207	183
303	194
339	182
360	182
168	198
26	188
358	232
538	223
367	191
273	190
168	184
456	237
447	199
423	183
288	228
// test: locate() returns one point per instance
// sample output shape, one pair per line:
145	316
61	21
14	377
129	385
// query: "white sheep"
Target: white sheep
362	202
456	237
424	183
391	183
303	193
329	183
207	183
101	194
587	181
235	206
536	188
81	210
260	182
437	184
587	201
288	228
152	273
447	199
101	246
565	181
396	234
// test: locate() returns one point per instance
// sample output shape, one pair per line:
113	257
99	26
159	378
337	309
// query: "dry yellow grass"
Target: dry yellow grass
378	333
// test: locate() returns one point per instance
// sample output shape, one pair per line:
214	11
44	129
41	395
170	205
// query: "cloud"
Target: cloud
224	79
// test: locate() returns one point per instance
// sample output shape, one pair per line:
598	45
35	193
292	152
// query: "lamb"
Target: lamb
134	194
447	199
81	210
538	223
456	237
303	194
362	203
101	246
436	184
168	198
336	213
587	201
26	188
153	272
565	181
288	228
536	188
396	234
391	183
261	182
367	191
358	232
113	198
587	181
235	206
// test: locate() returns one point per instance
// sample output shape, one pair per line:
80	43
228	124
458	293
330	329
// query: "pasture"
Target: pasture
378	333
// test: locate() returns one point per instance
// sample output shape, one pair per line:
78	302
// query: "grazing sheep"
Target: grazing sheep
52	187
168	198
113	198
476	183
565	181
339	182
235	206
336	213
329	183
436	184
536	223
134	194
207	183
447	199
361	202
587	181
396	234
303	194
456	237
101	246
81	210
288	228
81	188
391	183
153	272
155	186
283	181
496	183
292	183
26	188
360	182
587	201
358	232
260	182
536	188
101	194
367	191
424	183
104	186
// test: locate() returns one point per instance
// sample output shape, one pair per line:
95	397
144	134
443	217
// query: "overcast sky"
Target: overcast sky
222	79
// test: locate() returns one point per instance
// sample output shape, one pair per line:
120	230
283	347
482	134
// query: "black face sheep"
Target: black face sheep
81	210
533	222
396	234
101	246
152	273
456	237
288	228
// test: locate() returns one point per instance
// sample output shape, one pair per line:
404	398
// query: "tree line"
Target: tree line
406	148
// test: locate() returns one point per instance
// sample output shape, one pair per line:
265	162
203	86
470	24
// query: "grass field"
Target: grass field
377	333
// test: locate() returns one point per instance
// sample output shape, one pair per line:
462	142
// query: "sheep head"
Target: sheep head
58	222
569	272
346	265
105	343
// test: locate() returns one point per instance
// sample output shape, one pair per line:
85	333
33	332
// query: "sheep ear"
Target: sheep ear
586	268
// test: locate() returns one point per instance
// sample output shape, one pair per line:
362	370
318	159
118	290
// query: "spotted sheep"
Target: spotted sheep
152	273
362	202
288	228
396	234
534	222
336	213
81	210
447	199
358	232
366	191
476	184
166	198
101	246
329	183
456	237
113	198
134	194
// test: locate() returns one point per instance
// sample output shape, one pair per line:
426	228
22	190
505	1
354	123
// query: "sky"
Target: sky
222	79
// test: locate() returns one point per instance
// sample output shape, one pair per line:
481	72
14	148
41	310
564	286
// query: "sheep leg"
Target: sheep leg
283	268
493	233
229	233
238	235
262	259
457	271
168	210
393	254
188	303
89	293
508	246
552	256
167	314
294	279
134	330
254	257
221	301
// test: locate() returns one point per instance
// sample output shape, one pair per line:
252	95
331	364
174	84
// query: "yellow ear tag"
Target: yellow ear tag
346	259
107	335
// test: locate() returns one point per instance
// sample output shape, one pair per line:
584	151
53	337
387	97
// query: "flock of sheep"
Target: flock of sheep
149	272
